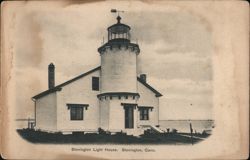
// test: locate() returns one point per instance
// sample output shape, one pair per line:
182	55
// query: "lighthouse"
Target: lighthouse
118	89
112	96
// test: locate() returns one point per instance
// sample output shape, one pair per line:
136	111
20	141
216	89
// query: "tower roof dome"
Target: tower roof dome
119	27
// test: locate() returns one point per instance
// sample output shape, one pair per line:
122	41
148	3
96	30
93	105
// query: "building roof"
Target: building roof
157	94
59	87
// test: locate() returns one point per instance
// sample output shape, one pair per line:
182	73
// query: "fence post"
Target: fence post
191	131
28	123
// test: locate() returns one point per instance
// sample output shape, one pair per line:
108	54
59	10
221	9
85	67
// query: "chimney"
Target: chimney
143	77
51	75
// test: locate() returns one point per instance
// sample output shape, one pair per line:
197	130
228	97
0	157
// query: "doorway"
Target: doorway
129	117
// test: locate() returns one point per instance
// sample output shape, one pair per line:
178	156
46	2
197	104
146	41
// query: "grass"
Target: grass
105	138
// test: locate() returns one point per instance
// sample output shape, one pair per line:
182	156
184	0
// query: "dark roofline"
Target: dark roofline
118	94
80	76
157	94
118	24
58	87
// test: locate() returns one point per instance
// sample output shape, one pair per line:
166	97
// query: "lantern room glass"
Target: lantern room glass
118	32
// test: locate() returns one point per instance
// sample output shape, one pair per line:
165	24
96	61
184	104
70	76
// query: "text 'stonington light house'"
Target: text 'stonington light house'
113	96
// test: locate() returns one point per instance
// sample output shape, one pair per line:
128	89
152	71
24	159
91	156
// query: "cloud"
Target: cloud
28	43
177	28
184	98
175	51
184	86
175	64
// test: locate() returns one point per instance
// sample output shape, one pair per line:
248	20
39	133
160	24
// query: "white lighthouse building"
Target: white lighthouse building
113	96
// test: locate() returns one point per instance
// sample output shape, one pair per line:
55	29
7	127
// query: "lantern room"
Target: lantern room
119	31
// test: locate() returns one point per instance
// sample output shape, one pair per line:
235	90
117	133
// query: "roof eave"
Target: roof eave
158	95
52	90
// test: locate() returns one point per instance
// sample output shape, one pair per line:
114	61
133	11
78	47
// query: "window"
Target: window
144	113
95	83
76	113
76	110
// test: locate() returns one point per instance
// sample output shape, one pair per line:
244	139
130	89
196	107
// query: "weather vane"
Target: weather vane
117	11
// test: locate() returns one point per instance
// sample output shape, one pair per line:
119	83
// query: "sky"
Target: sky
175	49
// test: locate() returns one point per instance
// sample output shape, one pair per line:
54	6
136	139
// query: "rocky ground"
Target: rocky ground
106	138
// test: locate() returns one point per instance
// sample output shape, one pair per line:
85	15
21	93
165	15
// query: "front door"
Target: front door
129	117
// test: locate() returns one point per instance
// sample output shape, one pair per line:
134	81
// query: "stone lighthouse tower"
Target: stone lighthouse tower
119	95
